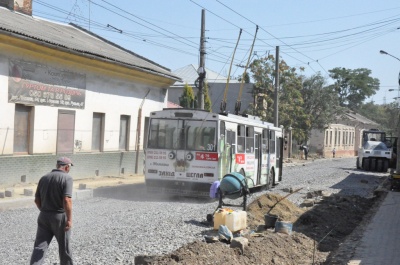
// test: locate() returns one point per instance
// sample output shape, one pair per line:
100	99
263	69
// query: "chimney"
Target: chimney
23	6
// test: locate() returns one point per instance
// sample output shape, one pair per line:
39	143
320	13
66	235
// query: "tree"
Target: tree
353	86
187	98
291	111
385	115
321	103
207	99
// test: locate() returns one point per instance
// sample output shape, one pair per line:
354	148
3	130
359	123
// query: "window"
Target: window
330	138
65	131
164	134
98	132
249	139
241	139
124	132
272	142
22	129
201	135
326	137
231	139
265	142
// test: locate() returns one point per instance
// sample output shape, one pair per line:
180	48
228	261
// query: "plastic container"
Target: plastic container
283	227
270	220
219	218
236	221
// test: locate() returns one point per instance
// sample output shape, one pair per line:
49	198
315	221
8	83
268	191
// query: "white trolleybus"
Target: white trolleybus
188	150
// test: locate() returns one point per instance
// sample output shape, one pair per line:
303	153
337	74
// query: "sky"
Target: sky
314	34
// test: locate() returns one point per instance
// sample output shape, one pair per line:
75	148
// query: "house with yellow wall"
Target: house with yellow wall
65	91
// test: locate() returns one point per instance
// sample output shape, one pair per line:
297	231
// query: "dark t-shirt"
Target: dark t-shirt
52	189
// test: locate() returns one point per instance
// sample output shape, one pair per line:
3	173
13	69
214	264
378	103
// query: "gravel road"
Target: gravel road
116	225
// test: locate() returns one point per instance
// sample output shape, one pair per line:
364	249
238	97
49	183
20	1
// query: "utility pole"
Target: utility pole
398	125
202	70
276	98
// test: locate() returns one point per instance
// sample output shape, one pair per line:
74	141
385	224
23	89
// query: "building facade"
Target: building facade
66	91
345	136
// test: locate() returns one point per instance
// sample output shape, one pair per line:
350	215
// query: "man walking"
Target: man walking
53	199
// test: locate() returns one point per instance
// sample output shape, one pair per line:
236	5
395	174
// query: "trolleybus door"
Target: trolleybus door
257	157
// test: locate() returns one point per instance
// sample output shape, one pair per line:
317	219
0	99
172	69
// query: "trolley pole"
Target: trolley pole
276	98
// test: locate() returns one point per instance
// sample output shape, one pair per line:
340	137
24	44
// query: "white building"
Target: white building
66	91
344	136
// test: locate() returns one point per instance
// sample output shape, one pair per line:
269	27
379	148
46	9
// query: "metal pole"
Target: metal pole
202	56
276	103
398	130
398	124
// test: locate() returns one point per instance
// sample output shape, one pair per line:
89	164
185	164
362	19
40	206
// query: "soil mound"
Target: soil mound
317	233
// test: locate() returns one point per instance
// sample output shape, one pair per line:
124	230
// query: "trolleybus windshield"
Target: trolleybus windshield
183	135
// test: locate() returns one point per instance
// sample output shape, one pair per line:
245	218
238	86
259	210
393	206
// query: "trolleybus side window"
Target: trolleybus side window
249	139
241	139
272	142
265	142
231	140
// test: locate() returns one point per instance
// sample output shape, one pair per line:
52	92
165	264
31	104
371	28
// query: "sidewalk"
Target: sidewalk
23	193
381	239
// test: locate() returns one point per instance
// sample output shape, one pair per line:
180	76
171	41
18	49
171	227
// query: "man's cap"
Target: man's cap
64	161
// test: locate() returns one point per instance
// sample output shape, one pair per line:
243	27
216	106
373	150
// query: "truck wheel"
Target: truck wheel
366	164
385	166
379	165
372	166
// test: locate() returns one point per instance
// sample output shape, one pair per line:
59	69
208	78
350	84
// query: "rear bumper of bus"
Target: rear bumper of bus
174	187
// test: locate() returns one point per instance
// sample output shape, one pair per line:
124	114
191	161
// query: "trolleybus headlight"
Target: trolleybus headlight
171	155
189	156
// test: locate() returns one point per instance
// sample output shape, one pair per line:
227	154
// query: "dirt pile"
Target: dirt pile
317	233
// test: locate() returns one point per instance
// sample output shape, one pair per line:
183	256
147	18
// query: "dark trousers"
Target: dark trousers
51	225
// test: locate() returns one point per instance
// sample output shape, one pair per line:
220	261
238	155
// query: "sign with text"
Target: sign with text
38	84
206	156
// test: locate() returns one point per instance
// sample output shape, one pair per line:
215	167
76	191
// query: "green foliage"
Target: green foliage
387	116
207	99
187	98
291	104
321	103
353	86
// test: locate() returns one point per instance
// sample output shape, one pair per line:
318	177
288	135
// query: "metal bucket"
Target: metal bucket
283	227
270	220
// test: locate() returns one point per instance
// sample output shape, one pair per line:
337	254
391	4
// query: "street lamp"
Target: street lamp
398	126
383	52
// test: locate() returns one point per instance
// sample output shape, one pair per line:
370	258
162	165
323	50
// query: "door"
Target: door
257	157
22	126
65	131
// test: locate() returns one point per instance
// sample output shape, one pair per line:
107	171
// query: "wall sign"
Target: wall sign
37	84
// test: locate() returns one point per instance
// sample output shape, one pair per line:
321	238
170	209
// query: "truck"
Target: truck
377	152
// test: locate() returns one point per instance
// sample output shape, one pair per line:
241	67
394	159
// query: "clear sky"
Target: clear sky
315	34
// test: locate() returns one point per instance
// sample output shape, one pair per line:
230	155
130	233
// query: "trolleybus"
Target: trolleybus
187	150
